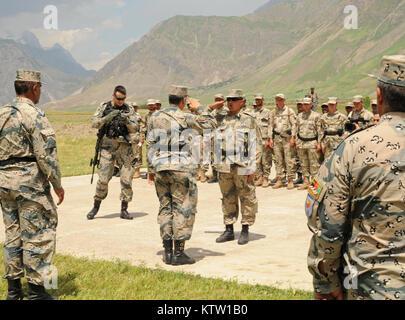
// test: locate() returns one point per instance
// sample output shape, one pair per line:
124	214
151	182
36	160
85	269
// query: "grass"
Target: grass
84	279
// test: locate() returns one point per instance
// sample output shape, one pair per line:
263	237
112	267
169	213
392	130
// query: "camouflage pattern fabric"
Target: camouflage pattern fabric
332	124
355	209
117	151
365	114
178	195
308	127
309	162
138	150
266	162
29	212
219	115
283	125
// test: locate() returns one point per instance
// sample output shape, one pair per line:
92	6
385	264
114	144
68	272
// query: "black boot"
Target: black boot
300	179
168	255
124	211
15	291
94	211
179	257
244	235
214	178
38	293
228	235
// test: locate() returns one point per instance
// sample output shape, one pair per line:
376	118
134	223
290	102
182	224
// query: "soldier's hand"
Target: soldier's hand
323	150
292	142
318	148
267	145
337	295
108	118
272	143
217	105
194	104
61	195
151	179
251	178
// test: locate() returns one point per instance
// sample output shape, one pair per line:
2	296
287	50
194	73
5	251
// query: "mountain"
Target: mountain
14	56
286	46
269	4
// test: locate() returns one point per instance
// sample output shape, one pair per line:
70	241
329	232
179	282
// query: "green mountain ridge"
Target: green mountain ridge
285	48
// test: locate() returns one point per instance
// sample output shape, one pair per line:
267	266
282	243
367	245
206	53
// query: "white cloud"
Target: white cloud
68	39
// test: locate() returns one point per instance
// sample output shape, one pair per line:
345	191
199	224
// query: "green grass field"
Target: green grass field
84	279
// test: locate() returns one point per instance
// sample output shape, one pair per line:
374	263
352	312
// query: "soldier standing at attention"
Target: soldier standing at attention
333	128
300	179
314	99
356	205
28	164
282	132
239	133
263	118
172	170
309	134
118	120
139	142
360	117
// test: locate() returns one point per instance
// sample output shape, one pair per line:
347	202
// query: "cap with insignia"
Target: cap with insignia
30	76
358	99
236	93
179	91
300	101
332	100
259	96
281	96
150	102
219	96
307	101
373	102
392	70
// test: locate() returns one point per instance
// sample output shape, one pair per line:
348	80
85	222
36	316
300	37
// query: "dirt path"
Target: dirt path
275	256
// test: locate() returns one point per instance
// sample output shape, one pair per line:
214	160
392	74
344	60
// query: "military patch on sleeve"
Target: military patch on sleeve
309	205
202	118
315	189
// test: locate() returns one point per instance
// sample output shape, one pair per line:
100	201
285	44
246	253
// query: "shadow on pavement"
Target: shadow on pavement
252	236
117	215
198	253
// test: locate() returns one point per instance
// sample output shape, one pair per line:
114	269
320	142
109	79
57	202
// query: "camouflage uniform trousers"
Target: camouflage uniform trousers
138	153
120	154
234	187
178	195
330	144
266	162
30	236
285	157
310	162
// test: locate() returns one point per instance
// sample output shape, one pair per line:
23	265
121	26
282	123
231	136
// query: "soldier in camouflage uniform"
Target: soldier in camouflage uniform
356	205
349	108
374	106
138	150
333	128
28	162
151	105
116	148
314	98
239	137
309	135
264	167
282	130
172	170
360	117
158	105
300	179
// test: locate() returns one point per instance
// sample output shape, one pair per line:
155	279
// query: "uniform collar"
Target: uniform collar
24	100
396	116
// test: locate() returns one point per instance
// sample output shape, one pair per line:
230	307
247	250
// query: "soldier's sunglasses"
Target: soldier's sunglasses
120	99
234	99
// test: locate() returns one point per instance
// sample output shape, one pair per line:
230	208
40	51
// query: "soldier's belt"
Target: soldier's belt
12	161
307	139
334	133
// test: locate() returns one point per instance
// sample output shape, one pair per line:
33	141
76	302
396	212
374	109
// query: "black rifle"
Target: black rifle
96	161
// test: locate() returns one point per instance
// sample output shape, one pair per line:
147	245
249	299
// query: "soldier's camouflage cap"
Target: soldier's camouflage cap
300	101
374	102
235	93
259	96
349	105
357	99
392	70
134	104
158	102
281	96
179	91
219	96
332	100
27	75
307	101
150	102
324	105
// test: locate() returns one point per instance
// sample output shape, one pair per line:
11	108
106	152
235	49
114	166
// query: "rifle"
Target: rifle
96	161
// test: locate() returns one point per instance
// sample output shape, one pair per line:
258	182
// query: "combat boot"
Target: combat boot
179	257
290	184
300	179
259	182
304	186
244	235
279	184
15	291
228	235
214	178
38	293
124	211
95	210
168	255
203	178
265	182
137	173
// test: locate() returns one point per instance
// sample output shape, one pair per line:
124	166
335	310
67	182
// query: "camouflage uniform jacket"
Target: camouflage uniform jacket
168	152
365	114
283	122
25	132
263	121
308	127
220	114
132	125
142	126
245	151
333	124
356	210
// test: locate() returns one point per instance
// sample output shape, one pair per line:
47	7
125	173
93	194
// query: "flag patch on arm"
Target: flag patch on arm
315	189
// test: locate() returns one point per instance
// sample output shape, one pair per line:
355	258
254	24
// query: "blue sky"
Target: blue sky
95	31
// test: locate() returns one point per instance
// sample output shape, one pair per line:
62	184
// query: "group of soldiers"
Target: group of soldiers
355	203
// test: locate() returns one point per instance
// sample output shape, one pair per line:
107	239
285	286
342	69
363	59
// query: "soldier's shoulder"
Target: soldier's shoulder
360	135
